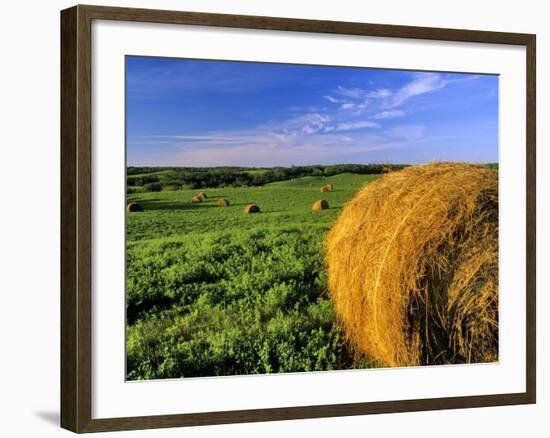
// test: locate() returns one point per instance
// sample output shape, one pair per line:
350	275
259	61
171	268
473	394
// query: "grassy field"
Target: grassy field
212	291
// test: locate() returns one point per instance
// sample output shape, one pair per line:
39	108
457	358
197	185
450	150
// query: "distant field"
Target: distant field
211	291
282	204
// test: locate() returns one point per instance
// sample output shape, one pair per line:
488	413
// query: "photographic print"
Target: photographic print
286	218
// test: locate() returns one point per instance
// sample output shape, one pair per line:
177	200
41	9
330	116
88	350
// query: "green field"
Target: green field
212	291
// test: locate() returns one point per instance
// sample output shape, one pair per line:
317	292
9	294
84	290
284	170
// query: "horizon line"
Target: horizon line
309	165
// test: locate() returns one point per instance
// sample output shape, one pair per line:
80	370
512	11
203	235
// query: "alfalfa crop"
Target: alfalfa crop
251	208
321	204
222	202
413	266
133	207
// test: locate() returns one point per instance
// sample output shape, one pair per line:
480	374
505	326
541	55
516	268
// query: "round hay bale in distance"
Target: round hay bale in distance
196	199
251	208
321	204
327	188
202	196
222	202
413	266
134	207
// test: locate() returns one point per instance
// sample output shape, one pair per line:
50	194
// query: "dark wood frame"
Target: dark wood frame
76	222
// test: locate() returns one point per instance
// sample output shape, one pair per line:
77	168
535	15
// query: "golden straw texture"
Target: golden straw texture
321	204
251	208
413	266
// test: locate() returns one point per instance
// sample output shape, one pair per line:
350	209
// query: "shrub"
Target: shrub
152	187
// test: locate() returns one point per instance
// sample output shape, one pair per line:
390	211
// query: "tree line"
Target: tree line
214	177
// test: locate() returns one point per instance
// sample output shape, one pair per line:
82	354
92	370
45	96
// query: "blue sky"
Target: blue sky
219	113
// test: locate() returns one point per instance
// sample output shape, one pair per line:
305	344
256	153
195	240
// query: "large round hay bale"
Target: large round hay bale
133	207
327	188
222	202
202	196
196	199
413	266
251	208
321	204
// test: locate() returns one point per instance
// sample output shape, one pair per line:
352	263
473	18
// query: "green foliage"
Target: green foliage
218	177
211	291
152	187
133	189
141	180
231	304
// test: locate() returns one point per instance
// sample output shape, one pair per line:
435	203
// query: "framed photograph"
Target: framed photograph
270	218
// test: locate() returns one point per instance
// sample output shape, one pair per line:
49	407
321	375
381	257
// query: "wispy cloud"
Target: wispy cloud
262	148
333	99
425	83
360	93
354	93
348	105
379	94
389	114
346	126
304	124
382	101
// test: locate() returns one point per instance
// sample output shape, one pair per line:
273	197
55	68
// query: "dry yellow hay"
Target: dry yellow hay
196	199
321	204
413	266
222	202
202	196
133	207
327	188
251	208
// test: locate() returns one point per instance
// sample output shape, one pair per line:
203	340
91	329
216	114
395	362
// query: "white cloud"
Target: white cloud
305	124
354	93
379	94
264	149
390	114
346	126
359	93
332	99
347	106
424	83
